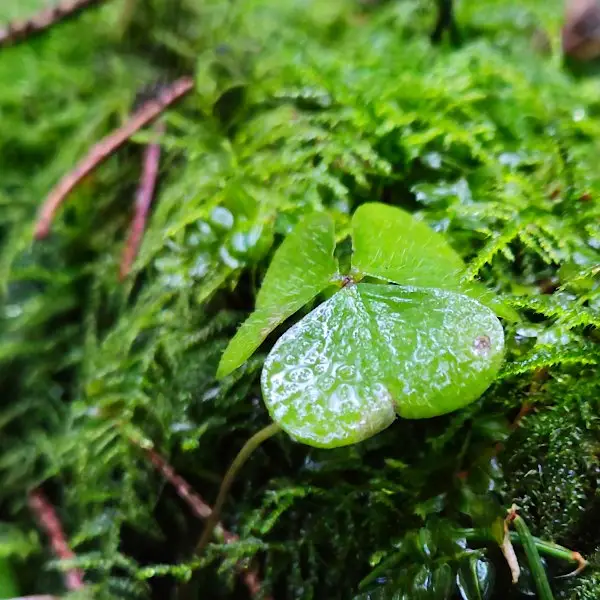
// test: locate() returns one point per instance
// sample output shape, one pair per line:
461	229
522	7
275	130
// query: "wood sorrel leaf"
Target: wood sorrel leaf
342	373
302	267
389	243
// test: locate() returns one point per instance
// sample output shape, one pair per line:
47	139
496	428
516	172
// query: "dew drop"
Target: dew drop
221	218
311	358
327	382
290	359
346	373
300	375
321	367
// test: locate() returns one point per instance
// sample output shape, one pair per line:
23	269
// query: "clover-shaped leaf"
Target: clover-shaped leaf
344	371
390	244
302	267
372	351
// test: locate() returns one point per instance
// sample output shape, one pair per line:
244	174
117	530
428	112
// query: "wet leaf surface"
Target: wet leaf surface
391	244
370	352
475	578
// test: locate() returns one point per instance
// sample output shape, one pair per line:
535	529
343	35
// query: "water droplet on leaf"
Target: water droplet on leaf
417	359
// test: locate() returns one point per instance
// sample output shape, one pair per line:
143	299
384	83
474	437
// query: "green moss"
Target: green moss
299	105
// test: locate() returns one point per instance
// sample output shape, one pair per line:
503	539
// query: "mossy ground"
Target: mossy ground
299	104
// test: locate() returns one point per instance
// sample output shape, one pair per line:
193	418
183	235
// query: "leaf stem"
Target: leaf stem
543	547
143	200
533	557
243	455
203	511
50	523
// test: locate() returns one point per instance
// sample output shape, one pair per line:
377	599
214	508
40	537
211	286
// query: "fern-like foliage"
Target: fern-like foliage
298	106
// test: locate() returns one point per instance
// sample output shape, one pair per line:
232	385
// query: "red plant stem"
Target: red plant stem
202	510
143	200
103	149
20	30
182	487
48	520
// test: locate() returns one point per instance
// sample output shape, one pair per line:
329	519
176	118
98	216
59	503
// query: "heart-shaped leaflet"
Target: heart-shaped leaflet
344	371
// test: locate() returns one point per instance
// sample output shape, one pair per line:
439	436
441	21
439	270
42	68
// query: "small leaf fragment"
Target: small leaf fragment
302	267
342	373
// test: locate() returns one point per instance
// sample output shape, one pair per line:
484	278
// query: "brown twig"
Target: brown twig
48	520
18	31
203	511
143	200
103	149
182	487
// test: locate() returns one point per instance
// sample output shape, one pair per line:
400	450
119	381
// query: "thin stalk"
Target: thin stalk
243	455
203	511
19	31
543	547
143	200
533	557
103	149
182	487
50	523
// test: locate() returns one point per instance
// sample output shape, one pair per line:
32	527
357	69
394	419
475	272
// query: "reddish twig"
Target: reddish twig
48	520
182	487
202	510
21	30
103	149
143	200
